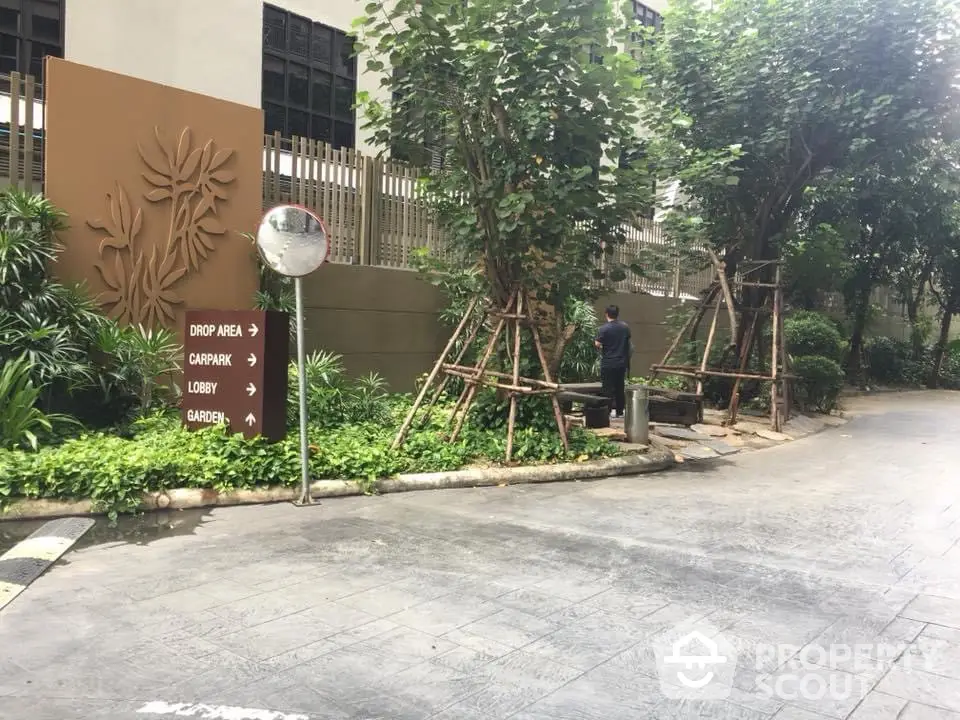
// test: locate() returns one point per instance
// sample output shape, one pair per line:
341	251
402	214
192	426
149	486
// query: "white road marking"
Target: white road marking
214	712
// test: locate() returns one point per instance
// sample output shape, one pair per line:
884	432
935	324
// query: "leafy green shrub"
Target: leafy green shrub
134	363
669	382
811	334
20	418
52	324
819	384
891	362
158	454
581	361
332	398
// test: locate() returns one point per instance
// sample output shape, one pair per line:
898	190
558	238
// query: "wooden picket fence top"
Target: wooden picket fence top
374	208
21	132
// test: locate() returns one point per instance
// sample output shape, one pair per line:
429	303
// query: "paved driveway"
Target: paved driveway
827	567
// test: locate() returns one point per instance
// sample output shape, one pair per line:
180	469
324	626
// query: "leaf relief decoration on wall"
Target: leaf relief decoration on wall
142	275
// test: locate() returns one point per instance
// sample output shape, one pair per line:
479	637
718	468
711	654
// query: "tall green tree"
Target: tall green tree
894	218
541	110
945	286
803	86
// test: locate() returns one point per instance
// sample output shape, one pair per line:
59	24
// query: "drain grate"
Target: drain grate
69	528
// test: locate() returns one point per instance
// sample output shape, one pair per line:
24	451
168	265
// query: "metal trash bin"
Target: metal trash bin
636	421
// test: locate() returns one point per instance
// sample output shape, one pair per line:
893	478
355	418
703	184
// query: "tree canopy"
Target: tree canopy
801	86
541	109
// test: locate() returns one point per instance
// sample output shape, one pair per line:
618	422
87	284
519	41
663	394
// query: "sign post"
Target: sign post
293	242
235	371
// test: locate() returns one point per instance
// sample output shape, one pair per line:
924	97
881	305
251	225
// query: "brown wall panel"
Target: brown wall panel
387	321
158	184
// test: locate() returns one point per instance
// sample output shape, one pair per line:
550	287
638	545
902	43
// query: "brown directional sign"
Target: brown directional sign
235	371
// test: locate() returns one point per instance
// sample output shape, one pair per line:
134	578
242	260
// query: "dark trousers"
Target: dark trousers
613	381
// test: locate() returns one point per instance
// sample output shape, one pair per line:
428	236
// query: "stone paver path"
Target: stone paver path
533	602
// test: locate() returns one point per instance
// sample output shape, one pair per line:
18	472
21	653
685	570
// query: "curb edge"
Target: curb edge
189	498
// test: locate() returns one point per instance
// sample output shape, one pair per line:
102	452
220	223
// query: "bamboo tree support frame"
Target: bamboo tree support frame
721	293
512	318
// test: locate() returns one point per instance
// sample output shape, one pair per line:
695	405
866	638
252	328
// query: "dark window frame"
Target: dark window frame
25	38
313	76
646	16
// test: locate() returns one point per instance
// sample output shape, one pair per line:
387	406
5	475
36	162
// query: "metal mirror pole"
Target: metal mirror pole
305	498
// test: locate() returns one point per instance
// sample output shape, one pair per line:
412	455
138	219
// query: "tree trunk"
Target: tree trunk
940	350
854	362
914	301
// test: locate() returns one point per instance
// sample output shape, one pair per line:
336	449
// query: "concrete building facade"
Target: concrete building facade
289	57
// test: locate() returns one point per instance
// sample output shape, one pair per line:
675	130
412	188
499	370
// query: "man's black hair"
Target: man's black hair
613	312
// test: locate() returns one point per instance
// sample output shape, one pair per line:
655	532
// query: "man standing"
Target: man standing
613	341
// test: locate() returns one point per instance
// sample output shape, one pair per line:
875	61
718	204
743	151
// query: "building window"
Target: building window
29	31
309	79
646	17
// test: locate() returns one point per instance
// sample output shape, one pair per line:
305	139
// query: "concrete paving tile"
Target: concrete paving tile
336	615
586	643
879	706
225	591
932	655
510	627
445	613
582	700
534	602
35	708
514	682
215	686
915	711
703	710
934	609
572	587
478	643
389	599
429	688
459	712
262	608
276	694
789	712
922	687
274	637
626	602
363	632
941	632
300	655
830	692
699	452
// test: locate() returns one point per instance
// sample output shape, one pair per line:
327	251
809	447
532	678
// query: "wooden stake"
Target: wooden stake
680	335
463	405
721	268
438	392
741	371
402	433
708	347
776	411
512	418
557	412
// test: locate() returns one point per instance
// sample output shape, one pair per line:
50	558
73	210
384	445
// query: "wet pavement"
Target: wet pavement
137	529
826	571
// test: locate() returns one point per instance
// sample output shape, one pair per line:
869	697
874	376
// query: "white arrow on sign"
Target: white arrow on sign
251	389
252	360
251	420
254	330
